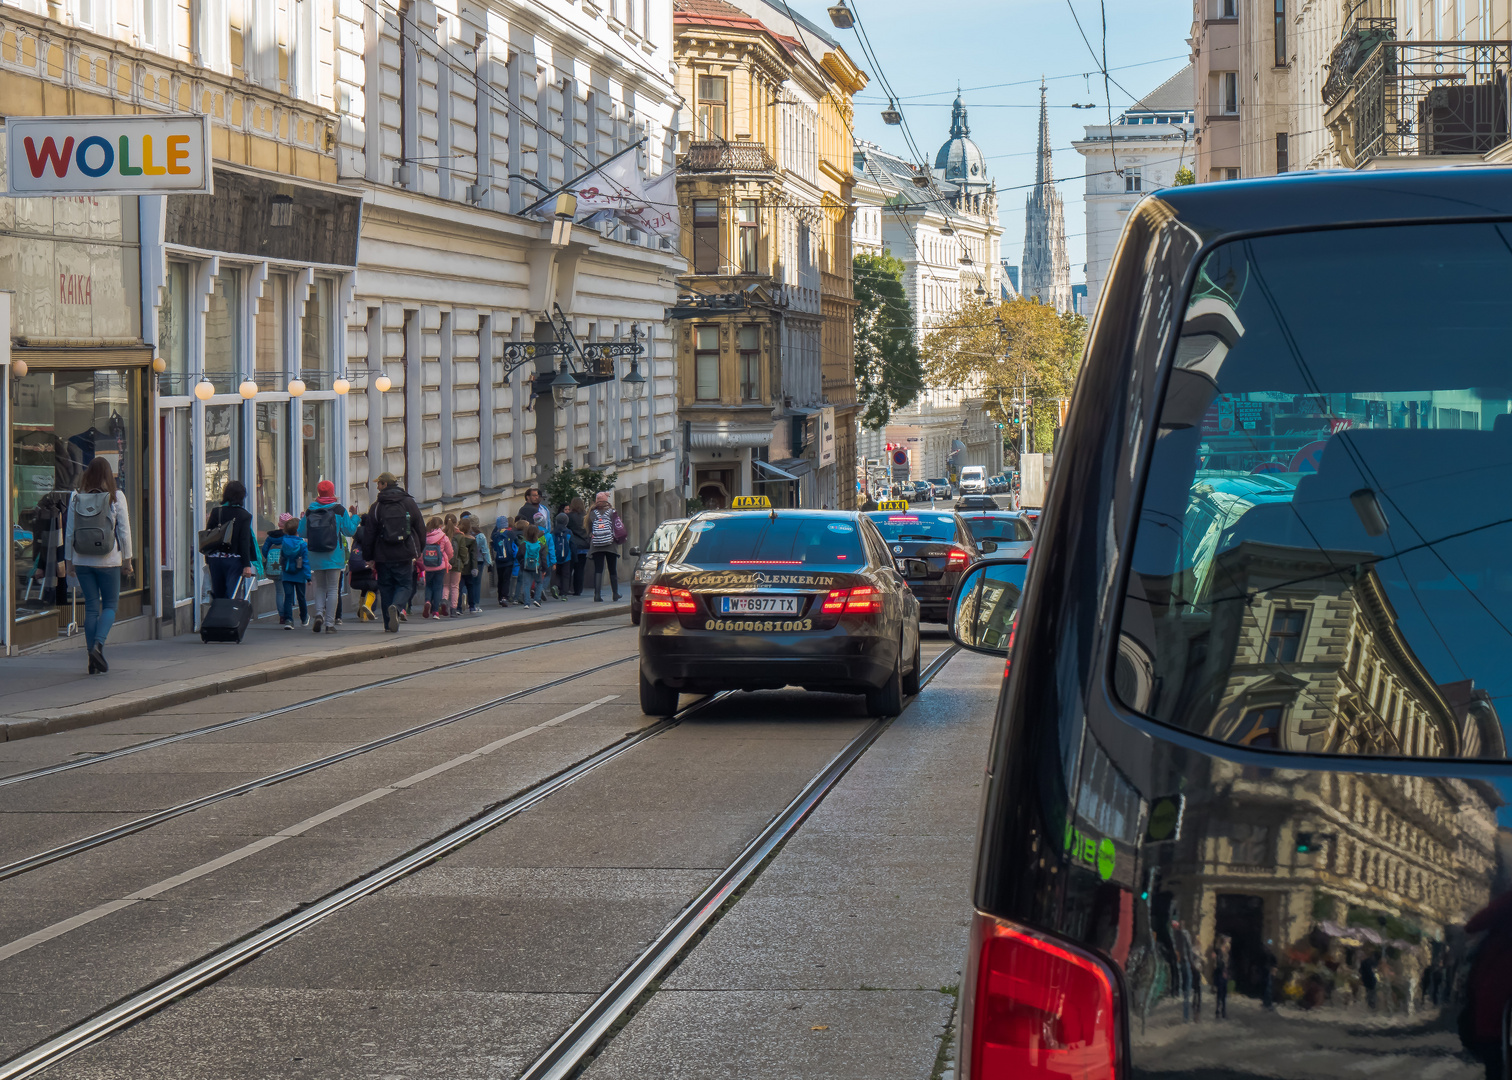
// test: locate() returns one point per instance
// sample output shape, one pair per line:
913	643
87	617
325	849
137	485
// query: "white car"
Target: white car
974	480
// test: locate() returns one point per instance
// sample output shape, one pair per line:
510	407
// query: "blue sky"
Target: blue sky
925	48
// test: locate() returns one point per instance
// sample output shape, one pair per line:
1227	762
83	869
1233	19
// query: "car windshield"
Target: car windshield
915	526
998	527
758	538
1323	560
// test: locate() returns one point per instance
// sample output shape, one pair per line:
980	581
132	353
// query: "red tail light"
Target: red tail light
1029	551
834	603
957	560
864	600
659	598
1039	1010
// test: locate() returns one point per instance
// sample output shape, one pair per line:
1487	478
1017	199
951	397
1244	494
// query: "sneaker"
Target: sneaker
457	614
554	594
425	611
403	615
319	624
304	620
391	619
338	620
287	625
331	629
537	603
503	603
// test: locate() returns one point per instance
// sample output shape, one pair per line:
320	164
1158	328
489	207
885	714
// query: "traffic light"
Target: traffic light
1308	843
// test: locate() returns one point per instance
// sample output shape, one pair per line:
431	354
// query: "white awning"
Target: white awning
780	474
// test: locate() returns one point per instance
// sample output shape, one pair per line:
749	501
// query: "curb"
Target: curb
137	702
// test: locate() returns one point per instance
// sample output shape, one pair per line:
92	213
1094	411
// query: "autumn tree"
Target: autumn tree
996	351
889	374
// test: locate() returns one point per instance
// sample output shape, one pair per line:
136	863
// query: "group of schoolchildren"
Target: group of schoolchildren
531	557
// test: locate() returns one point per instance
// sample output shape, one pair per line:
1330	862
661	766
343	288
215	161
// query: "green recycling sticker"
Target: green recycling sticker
1098	853
1106	856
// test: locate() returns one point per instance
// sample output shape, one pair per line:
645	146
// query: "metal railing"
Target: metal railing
1432	98
721	156
1356	46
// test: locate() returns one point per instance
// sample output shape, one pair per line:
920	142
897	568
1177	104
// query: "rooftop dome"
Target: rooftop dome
960	158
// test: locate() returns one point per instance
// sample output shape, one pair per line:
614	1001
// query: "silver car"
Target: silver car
1009	529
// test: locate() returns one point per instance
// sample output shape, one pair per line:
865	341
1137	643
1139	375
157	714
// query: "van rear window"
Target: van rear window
1323	560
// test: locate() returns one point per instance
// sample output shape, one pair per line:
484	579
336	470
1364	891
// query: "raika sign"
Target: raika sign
107	155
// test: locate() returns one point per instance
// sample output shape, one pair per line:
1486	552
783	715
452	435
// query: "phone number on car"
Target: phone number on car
768	625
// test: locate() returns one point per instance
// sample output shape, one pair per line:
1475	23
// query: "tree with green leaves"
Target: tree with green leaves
1185	176
889	373
566	483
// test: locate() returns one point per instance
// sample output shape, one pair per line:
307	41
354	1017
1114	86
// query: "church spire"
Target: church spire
958	126
1044	170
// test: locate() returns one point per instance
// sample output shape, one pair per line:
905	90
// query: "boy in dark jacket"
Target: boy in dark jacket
294	565
506	545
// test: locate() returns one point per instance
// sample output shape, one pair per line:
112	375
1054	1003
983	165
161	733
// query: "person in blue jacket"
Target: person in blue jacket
294	569
326	526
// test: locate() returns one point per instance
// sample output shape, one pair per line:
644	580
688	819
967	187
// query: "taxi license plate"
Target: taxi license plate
758	605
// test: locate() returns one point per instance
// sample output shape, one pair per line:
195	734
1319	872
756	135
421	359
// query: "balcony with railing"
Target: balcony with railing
719	156
1416	99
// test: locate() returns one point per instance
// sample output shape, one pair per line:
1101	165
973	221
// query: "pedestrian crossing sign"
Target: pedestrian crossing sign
893	504
750	502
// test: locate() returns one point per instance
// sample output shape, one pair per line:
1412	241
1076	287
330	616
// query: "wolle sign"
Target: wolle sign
108	155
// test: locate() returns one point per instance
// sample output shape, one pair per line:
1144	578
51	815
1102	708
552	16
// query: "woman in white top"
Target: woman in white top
97	545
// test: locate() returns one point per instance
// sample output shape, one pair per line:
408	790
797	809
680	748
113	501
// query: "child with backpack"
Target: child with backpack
362	575
272	553
474	585
436	562
294	567
464	558
534	561
506	546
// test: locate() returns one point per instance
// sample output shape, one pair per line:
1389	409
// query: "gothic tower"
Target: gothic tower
1046	274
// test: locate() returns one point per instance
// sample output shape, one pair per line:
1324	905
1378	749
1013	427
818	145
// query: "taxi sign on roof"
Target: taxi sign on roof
750	502
893	504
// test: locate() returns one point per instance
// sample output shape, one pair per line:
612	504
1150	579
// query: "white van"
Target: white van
974	480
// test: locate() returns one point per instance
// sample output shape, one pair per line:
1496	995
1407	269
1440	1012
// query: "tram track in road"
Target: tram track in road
575	1048
283	710
141	824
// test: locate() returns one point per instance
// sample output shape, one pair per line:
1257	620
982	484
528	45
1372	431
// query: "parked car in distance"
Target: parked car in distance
919	491
650	562
939	488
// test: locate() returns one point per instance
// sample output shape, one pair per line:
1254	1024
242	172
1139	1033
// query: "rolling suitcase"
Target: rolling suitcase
226	620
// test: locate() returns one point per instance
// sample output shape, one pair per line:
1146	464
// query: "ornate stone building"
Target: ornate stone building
1046	272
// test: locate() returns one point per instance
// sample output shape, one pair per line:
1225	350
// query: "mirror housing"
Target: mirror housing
984	609
914	569
988	546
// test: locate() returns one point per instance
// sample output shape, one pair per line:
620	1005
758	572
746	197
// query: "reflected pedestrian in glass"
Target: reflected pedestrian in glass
97	543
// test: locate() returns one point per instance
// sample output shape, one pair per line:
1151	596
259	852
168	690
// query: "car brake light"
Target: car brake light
834	603
1029	551
1039	1010
684	601
956	560
660	598
864	600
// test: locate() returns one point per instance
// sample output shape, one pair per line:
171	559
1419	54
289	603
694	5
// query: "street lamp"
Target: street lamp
382	383
635	382
341	385
841	16
248	389
564	388
296	387
204	389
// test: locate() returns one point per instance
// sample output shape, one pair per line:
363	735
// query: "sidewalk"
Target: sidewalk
49	691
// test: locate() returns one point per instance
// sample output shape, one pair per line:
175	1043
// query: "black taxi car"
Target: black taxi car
937	538
754	598
1247	809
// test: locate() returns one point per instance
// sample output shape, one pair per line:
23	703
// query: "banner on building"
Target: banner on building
617	190
826	436
107	155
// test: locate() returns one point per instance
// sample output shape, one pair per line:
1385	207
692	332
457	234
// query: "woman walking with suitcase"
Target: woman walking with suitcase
97	543
227	542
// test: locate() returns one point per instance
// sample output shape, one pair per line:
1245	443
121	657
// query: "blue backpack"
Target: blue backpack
293	562
505	546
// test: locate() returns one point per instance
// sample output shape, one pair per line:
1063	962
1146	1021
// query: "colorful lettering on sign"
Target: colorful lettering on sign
95	157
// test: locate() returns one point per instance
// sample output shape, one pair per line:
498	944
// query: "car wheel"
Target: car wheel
912	679
656	699
635	615
887	699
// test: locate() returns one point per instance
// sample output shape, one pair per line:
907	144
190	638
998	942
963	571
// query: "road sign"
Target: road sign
1164	825
1308	457
900	457
1267	467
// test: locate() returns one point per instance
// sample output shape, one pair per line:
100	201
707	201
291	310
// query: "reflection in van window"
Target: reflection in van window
1323	560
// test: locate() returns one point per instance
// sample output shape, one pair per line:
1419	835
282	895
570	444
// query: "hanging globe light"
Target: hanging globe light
341	386
296	387
248	389
383	382
204	389
19	368
159	365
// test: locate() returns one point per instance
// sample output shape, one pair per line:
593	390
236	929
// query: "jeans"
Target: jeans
530	582
505	573
435	589
292	591
323	586
101	586
396	584
472	585
225	574
599	558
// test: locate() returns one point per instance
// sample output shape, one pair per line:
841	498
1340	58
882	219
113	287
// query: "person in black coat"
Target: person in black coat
234	557
391	535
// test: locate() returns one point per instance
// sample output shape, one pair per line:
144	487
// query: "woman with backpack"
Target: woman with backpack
326	526
97	546
227	542
606	532
294	567
435	560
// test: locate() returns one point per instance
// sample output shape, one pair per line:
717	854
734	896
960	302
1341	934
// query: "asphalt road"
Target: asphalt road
473	964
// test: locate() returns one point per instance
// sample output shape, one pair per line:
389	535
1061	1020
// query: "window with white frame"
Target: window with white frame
302	31
211	30
157	25
1228	92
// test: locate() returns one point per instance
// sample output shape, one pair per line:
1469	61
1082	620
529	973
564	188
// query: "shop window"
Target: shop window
317	440
223	461
706	236
749	237
61	422
706	363
750	363
272	449
174	321
178	499
315	336
269	328
223	331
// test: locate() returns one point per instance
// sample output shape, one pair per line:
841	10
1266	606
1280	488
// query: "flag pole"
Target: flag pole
582	176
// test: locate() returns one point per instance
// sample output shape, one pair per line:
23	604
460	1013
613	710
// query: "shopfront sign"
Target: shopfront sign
108	155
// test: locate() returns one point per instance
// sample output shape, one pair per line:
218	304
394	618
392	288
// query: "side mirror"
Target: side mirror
988	546
915	569
985	605
634	551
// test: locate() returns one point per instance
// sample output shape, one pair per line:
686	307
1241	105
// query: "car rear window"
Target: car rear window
661	539
1323	560
759	539
915	526
986	527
